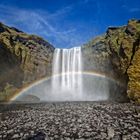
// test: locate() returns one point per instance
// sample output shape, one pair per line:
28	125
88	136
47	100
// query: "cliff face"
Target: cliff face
23	59
117	53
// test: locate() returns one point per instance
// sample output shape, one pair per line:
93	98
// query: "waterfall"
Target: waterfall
69	81
67	73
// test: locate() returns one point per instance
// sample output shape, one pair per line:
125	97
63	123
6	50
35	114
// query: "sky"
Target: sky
67	23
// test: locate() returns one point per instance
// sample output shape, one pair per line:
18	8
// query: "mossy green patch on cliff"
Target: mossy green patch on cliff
7	92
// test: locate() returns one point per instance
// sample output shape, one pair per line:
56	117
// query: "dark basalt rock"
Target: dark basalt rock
1	29
38	136
17	30
29	99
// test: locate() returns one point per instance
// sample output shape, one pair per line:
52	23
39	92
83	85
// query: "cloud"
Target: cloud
39	22
62	11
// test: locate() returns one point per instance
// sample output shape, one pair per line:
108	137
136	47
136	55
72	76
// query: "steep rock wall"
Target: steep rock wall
117	54
23	59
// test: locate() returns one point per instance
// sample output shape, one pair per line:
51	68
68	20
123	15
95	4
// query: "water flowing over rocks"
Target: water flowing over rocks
67	64
70	121
26	58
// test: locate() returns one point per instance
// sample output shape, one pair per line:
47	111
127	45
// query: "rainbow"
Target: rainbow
92	73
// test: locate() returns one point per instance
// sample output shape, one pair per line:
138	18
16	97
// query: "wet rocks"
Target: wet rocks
70	121
110	132
38	136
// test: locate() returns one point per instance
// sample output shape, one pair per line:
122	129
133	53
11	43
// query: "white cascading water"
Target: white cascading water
69	81
67	74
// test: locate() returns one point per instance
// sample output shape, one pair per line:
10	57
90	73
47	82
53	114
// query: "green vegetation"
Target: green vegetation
7	92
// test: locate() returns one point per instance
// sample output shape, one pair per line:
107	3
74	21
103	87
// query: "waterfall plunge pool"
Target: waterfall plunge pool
93	88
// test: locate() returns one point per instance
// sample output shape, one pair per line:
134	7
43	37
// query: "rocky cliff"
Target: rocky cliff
26	58
23	59
117	54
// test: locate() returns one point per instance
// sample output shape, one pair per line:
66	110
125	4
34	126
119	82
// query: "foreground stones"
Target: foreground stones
70	121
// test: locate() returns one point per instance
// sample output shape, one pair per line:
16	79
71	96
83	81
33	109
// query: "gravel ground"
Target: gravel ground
70	121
